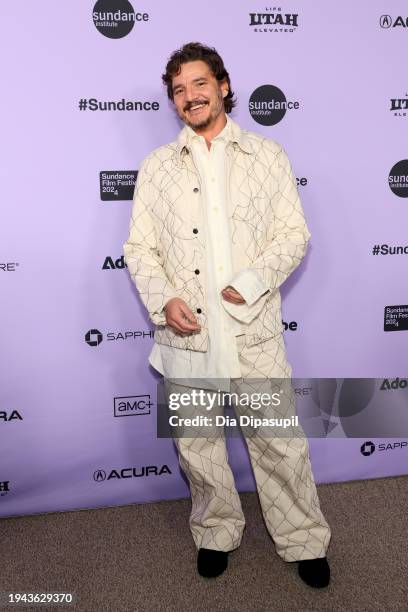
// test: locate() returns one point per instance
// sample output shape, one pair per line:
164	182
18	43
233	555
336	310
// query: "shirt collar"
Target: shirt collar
231	132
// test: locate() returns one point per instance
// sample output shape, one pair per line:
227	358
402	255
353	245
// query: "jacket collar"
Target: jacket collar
236	136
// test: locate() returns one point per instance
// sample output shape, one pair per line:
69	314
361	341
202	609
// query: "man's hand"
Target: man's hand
180	317
230	295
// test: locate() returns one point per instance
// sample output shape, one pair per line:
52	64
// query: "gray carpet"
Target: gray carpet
142	557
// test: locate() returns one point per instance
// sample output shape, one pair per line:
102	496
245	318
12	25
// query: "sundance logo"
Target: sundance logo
143	472
398	178
116	18
268	105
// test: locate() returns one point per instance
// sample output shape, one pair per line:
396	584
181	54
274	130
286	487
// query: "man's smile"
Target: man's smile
196	109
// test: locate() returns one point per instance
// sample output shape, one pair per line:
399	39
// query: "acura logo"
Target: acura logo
385	21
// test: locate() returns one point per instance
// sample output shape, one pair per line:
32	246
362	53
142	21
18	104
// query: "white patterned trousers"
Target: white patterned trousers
281	466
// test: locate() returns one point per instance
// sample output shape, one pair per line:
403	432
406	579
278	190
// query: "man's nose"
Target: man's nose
189	91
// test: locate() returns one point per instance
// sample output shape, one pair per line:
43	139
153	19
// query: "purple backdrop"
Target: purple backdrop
74	333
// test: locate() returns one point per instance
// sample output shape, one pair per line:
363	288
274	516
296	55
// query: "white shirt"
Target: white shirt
225	320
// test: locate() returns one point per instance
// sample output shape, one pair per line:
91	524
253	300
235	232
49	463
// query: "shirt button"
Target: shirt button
196	190
196	271
195	231
199	310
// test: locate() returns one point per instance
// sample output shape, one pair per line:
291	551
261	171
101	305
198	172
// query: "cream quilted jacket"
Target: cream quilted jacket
166	237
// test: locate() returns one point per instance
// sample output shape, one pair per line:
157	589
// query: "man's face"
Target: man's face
198	96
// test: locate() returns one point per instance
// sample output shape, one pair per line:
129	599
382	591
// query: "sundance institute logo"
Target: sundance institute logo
116	18
398	179
268	105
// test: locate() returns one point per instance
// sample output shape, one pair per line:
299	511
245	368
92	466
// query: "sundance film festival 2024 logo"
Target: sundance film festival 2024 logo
116	18
396	318
398	179
272	19
268	105
117	184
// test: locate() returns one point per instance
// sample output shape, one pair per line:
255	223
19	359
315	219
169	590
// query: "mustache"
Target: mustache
193	103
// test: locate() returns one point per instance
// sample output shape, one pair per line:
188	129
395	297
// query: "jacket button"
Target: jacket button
196	271
199	310
195	231
195	189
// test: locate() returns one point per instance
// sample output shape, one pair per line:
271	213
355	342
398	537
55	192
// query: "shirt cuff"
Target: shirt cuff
250	285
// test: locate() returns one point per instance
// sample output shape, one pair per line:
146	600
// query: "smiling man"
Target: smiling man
217	226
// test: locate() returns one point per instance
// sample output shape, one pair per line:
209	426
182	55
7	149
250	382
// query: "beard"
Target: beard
201	124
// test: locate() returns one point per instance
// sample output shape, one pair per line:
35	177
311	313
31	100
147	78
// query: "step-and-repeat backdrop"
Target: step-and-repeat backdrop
82	104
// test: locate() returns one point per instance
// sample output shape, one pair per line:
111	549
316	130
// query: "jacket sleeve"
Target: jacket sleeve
254	291
142	250
286	241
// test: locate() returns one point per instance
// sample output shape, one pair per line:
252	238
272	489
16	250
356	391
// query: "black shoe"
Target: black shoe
315	572
211	563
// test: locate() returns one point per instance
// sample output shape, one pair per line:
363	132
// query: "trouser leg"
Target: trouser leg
216	520
281	463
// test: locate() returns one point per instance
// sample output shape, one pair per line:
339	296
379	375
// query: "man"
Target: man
217	226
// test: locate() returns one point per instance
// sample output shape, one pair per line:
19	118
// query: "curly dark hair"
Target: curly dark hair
191	52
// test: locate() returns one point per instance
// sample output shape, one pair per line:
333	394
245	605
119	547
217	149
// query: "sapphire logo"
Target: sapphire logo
367	449
93	337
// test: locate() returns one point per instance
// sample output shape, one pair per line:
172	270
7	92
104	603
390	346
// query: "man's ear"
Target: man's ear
224	88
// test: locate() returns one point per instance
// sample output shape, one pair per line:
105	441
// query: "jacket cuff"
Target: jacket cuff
250	285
